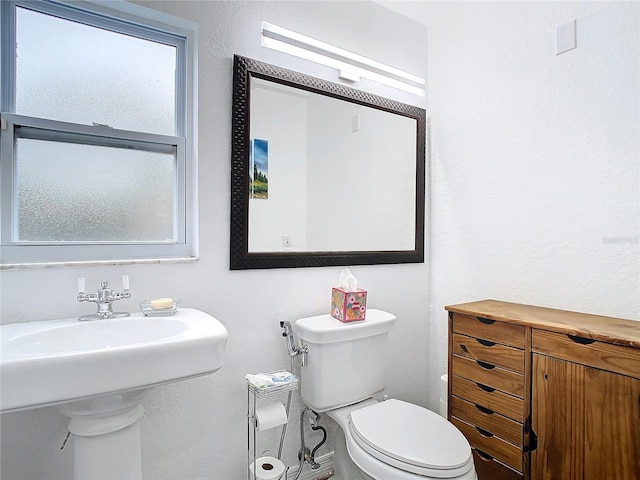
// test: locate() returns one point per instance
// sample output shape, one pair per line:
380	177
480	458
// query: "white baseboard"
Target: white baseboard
326	468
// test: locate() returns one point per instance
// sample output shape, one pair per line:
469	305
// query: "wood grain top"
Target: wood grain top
618	331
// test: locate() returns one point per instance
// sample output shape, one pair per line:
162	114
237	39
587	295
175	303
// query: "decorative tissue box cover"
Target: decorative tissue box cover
348	306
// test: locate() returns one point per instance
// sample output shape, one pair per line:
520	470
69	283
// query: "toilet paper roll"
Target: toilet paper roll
270	416
268	468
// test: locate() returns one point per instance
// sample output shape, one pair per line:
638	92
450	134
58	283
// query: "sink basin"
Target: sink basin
52	362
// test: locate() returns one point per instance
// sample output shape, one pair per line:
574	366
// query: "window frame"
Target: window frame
129	19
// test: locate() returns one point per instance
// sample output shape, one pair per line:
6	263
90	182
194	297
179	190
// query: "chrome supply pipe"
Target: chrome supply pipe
302	351
302	449
287	409
294	351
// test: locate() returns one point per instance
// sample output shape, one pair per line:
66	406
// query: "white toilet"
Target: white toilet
391	440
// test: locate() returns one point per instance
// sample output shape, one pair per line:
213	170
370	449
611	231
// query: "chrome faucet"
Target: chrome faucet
302	350
104	299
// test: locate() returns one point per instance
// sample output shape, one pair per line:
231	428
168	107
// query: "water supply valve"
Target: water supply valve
293	350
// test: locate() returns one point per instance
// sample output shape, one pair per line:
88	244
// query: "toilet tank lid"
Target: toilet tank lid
326	329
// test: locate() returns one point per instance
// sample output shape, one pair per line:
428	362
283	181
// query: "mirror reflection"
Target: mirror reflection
327	174
322	174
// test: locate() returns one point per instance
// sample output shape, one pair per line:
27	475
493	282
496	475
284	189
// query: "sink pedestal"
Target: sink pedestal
106	436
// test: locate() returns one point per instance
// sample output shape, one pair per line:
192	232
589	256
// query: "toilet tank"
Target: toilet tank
346	362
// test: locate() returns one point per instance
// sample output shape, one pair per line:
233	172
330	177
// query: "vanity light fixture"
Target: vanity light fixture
351	66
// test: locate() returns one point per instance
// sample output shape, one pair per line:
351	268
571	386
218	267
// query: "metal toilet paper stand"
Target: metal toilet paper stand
253	394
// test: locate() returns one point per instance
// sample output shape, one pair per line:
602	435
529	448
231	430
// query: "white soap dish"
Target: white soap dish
145	307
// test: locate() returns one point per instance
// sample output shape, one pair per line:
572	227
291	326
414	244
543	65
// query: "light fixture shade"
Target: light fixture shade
350	65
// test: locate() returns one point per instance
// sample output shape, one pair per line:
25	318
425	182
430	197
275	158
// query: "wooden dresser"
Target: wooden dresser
542	393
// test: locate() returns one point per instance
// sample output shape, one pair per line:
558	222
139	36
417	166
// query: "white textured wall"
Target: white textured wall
534	157
196	429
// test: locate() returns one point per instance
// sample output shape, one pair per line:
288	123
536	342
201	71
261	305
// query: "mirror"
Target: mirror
322	174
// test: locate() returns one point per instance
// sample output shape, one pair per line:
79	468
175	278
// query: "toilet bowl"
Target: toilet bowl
390	440
397	440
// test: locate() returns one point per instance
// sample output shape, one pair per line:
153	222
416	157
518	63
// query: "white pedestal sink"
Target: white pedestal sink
98	372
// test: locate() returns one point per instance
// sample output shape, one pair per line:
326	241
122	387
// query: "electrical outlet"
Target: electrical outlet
286	241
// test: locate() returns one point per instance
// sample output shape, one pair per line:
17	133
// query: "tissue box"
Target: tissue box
348	306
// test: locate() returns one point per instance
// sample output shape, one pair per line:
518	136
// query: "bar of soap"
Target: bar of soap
161	303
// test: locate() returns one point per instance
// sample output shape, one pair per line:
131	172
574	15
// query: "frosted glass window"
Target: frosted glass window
98	108
68	192
83	74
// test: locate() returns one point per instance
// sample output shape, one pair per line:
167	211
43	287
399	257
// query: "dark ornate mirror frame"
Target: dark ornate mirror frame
243	70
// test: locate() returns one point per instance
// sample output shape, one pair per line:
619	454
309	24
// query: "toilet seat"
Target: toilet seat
411	438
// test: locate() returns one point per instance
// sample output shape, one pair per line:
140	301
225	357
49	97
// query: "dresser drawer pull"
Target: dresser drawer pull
484	432
484	410
486	321
484	456
485	365
486	388
581	340
486	343
464	348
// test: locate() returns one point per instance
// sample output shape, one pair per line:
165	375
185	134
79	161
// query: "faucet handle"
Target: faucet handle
125	282
81	285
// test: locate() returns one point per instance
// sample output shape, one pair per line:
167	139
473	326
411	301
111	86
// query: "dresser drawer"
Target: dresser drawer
488	397
499	332
488	468
490	375
594	353
490	444
487	351
487	419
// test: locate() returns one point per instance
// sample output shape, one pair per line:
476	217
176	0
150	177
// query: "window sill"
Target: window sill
97	263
